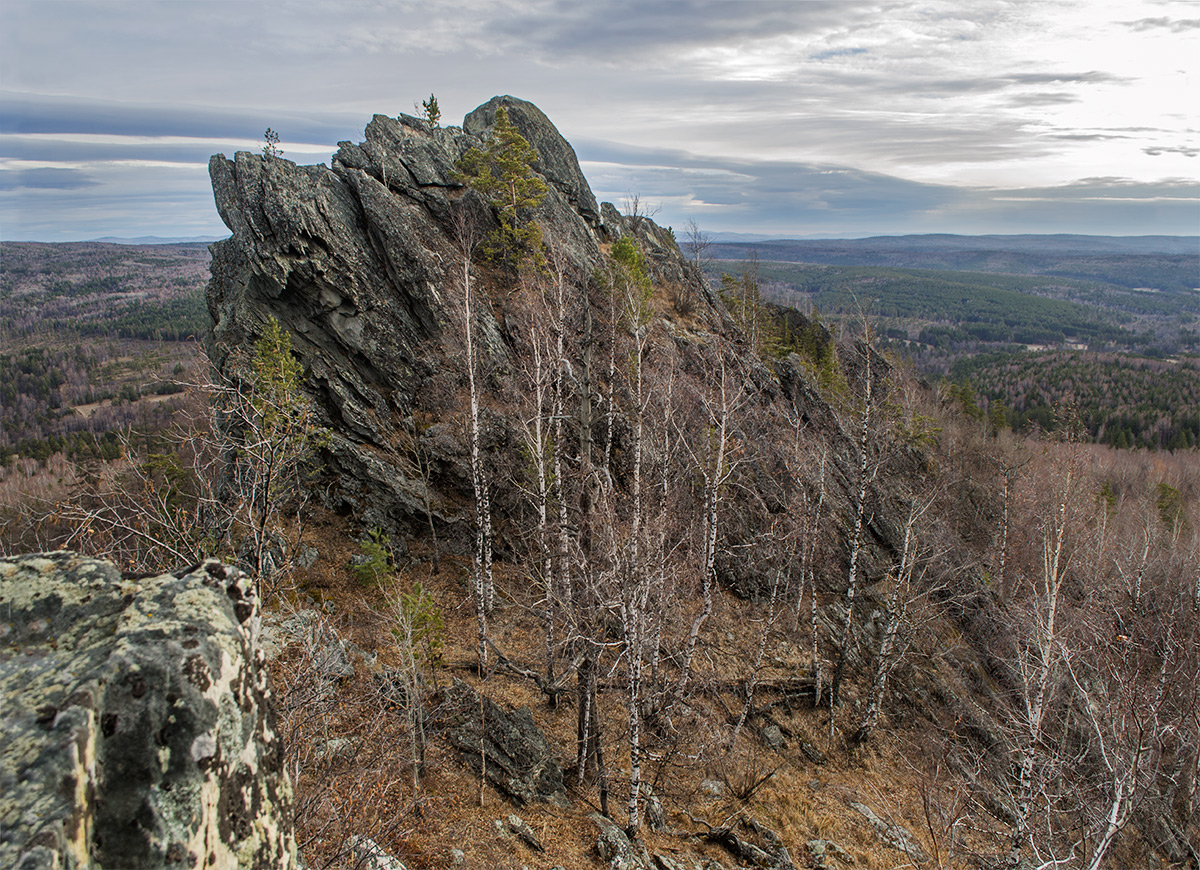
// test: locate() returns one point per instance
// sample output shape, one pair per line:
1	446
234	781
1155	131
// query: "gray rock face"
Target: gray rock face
894	835
615	849
138	729
360	263
525	833
557	162
520	761
366	854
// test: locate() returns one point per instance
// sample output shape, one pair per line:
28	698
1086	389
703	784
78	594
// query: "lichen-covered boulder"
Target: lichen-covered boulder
137	728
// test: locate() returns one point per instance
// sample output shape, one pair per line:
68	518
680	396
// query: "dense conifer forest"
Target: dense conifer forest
1028	351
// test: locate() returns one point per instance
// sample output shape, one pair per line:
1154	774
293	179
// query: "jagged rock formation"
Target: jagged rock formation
354	260
360	261
137	727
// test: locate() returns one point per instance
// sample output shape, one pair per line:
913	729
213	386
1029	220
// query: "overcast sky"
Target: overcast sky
785	118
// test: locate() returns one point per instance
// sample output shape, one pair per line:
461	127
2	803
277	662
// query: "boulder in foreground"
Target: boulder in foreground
137	728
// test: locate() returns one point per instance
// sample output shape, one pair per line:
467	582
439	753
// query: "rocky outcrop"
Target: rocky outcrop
506	745
366	854
616	850
137	729
361	262
556	162
768	852
893	835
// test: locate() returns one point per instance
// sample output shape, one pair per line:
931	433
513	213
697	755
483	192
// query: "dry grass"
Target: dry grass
368	789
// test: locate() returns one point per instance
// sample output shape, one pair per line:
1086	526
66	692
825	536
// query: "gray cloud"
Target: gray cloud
1087	137
1175	25
1185	150
882	80
1093	77
798	198
29	113
768	194
1044	98
774	92
68	151
643	31
1114	187
44	179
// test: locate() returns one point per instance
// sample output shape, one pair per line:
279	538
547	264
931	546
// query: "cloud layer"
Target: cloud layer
773	116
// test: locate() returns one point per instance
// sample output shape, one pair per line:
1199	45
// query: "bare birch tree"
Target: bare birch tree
716	469
904	580
1038	658
467	236
863	477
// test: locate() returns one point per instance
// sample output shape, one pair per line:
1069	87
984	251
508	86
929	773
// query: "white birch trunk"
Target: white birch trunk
856	538
482	563
714	477
1038	663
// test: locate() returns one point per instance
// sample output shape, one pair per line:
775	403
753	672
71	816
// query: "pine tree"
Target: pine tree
503	173
431	111
271	144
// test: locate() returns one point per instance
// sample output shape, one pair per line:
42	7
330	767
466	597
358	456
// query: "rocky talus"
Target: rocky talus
137	726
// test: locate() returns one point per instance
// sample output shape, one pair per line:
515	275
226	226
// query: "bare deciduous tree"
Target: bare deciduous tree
232	474
716	466
865	473
467	237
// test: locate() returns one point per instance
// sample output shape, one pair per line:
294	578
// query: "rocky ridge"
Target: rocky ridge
361	262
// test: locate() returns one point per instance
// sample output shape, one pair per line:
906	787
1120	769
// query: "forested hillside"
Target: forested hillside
954	313
1120	400
98	290
1035	350
94	337
1161	263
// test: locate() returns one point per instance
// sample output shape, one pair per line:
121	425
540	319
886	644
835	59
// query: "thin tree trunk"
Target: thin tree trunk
894	614
1037	675
809	581
856	540
597	743
542	504
636	611
1003	538
482	564
713	479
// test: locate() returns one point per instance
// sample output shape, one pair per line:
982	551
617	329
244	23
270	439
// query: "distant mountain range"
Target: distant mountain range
825	243
762	237
1169	263
1063	243
158	240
